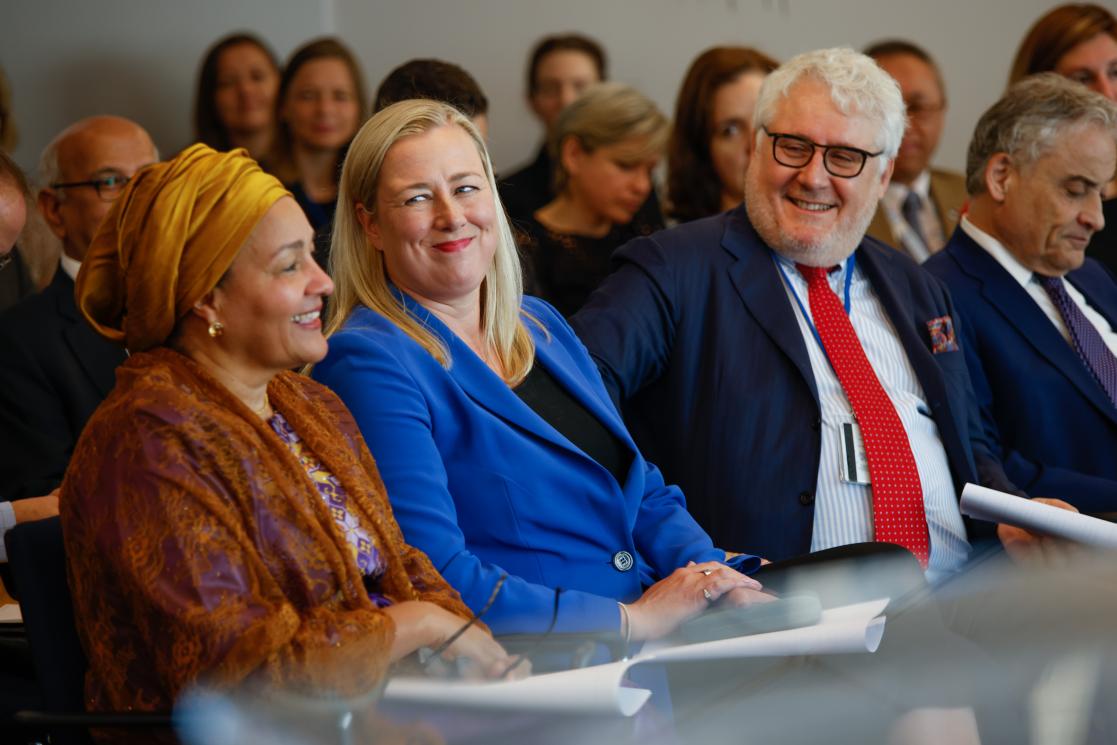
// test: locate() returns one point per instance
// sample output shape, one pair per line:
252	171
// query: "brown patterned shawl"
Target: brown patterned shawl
199	550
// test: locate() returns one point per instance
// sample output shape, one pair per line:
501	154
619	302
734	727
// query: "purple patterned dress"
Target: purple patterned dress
368	557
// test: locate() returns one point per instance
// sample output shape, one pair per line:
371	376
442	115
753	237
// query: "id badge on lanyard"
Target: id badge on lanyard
855	461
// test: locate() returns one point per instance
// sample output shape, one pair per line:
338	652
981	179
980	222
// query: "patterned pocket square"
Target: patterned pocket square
942	335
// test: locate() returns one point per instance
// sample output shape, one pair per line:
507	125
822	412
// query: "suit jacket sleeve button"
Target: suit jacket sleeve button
806	498
622	561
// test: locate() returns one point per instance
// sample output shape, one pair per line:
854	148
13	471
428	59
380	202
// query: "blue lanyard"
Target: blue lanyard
850	264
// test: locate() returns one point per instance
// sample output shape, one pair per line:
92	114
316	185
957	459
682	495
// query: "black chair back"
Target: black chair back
37	560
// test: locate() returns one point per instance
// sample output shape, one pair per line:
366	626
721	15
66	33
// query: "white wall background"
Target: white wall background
66	59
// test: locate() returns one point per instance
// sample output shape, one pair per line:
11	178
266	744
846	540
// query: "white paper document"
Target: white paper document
998	507
10	614
599	690
590	690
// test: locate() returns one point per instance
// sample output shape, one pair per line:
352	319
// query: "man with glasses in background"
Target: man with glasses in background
802	383
54	369
922	204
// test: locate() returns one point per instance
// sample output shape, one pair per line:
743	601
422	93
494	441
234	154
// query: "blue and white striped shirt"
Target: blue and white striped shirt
843	512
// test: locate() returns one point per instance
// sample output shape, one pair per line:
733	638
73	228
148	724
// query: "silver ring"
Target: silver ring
707	572
708	595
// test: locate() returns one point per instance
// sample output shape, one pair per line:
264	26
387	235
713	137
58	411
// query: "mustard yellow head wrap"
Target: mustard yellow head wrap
168	239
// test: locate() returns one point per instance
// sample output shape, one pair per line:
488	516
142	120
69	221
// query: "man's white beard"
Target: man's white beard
828	251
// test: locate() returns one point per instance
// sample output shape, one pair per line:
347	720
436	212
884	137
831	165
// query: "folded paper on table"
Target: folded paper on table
995	506
590	690
844	630
10	614
600	690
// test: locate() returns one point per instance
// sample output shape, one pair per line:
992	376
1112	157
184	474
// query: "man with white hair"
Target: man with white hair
1041	318
802	383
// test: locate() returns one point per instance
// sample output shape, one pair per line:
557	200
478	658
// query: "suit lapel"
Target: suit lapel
89	349
948	198
1098	288
896	299
761	289
557	360
1017	307
485	387
881	228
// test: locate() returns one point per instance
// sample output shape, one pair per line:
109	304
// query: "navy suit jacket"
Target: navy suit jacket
54	371
697	340
1055	429
484	486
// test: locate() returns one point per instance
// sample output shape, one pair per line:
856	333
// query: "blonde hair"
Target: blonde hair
605	114
359	271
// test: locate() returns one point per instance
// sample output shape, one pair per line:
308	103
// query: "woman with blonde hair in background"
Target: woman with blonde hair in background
604	147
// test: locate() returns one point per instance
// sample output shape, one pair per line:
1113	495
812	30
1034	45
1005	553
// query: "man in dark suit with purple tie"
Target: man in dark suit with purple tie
1040	318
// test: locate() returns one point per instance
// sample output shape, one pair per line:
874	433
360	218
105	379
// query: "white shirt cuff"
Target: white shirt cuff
7	522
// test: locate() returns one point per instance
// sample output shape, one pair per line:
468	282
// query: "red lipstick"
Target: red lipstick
450	247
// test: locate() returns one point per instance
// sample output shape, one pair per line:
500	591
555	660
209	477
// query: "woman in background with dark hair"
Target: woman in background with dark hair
559	69
709	146
321	104
235	101
1078	41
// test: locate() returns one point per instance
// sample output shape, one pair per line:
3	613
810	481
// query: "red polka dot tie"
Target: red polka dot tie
898	515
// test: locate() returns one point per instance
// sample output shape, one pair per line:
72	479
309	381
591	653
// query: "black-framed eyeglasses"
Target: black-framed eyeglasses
108	187
842	161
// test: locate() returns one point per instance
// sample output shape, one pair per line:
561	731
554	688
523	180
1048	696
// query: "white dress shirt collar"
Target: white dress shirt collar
996	249
70	266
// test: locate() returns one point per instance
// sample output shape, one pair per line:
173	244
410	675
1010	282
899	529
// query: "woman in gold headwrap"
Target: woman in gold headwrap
224	521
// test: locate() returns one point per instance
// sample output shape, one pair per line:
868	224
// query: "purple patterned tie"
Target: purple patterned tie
1087	341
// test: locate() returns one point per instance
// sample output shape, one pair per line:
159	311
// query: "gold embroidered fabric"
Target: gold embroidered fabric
199	550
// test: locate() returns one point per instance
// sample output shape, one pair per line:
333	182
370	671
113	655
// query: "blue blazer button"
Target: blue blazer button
622	561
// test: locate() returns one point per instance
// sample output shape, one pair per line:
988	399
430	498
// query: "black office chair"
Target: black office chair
37	560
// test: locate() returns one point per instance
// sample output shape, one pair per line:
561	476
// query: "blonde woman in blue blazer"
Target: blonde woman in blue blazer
500	448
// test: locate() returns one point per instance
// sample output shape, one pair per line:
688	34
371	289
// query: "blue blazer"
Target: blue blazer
697	340
1049	418
485	486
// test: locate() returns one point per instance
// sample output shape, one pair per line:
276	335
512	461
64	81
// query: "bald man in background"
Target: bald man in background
54	369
